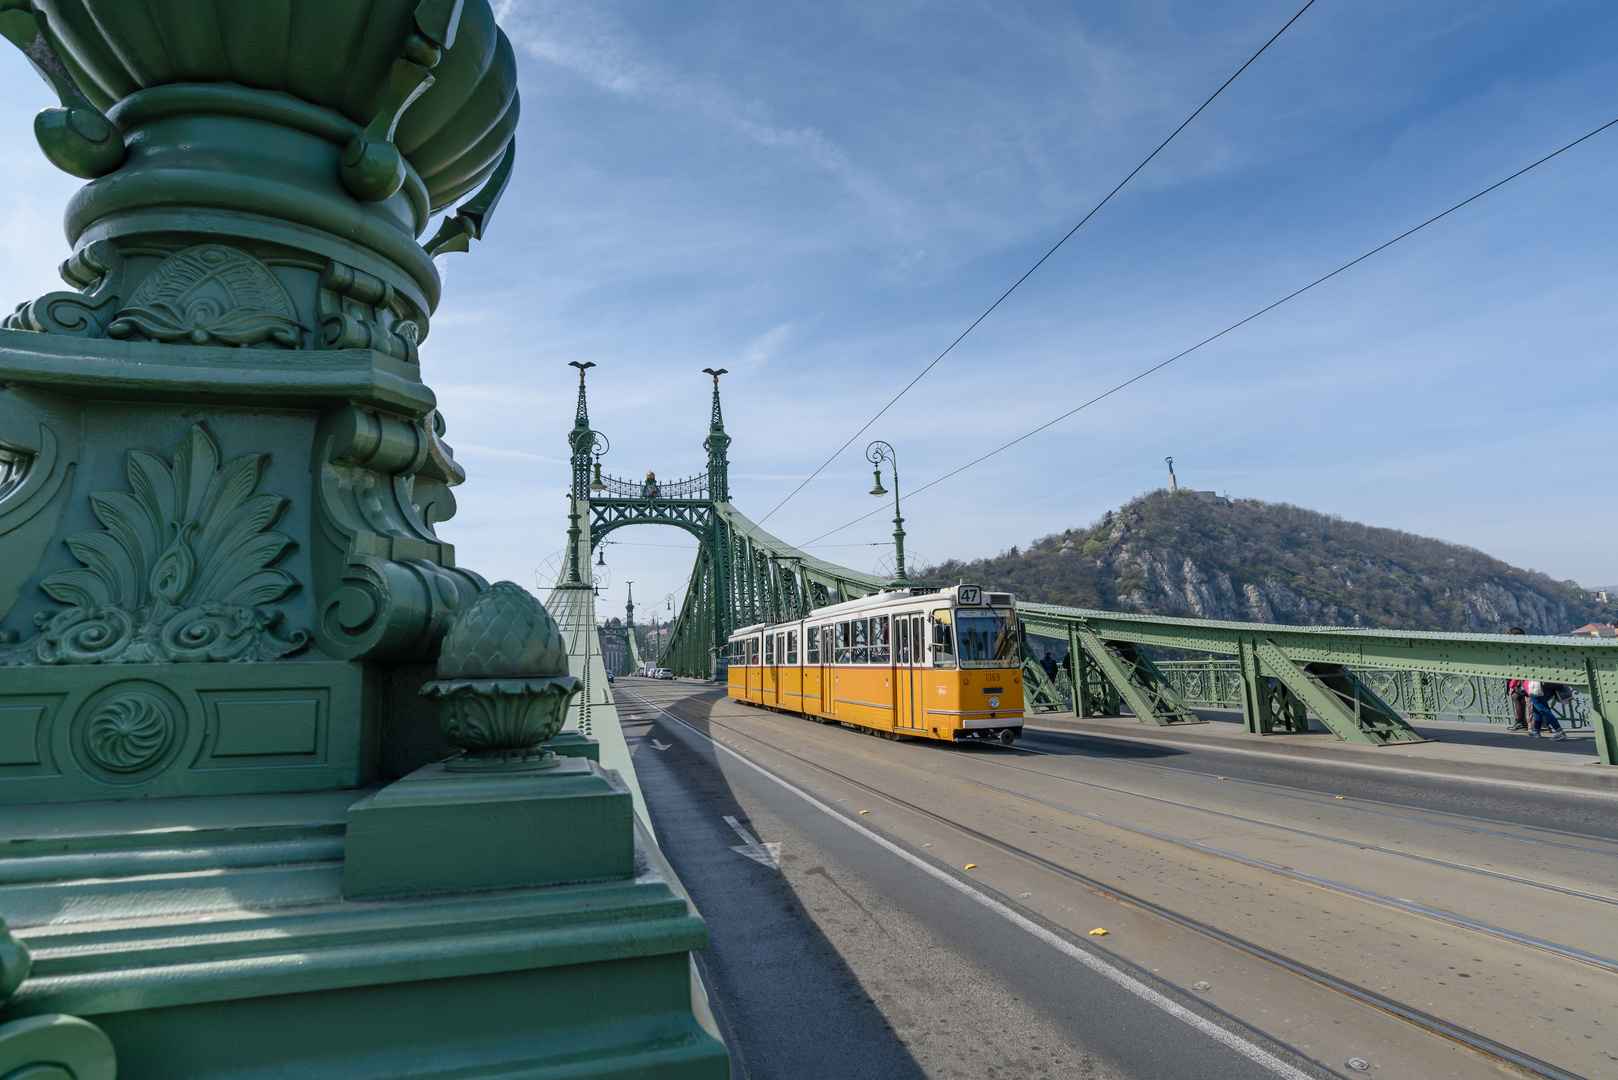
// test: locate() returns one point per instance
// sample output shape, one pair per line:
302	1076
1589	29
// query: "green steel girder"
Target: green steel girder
1588	664
1040	694
607	515
1352	711
1136	680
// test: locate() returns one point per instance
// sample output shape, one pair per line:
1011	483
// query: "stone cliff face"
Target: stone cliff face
1264	562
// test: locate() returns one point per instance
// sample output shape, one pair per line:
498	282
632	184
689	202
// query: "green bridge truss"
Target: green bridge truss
743	575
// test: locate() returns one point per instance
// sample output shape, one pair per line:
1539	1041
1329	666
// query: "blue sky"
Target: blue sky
821	197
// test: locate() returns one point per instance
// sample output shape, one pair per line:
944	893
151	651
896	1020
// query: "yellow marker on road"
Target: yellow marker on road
865	811
971	866
1097	932
1338	796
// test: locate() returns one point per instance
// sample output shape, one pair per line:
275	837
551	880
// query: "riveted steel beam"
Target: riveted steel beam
1136	679
1338	697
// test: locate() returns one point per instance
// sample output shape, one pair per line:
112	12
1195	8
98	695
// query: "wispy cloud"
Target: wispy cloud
596	46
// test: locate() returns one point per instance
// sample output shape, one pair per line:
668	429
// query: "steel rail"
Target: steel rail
1409	907
1358	806
1445	863
1408	1013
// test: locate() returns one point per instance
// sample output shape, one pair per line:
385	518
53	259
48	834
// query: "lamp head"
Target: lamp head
596	484
877	488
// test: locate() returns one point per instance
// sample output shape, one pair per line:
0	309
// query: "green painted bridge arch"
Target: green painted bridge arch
742	574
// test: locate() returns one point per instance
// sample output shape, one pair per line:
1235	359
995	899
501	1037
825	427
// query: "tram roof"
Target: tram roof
887	598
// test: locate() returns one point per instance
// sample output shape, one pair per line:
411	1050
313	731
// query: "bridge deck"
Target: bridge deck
859	946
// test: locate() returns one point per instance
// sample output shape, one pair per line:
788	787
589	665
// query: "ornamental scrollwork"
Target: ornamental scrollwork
181	570
129	732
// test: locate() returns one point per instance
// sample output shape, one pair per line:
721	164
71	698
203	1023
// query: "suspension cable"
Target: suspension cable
1165	363
921	374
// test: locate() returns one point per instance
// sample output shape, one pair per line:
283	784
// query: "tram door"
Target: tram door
907	661
828	677
780	670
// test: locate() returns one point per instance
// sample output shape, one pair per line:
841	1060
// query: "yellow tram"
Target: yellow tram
921	662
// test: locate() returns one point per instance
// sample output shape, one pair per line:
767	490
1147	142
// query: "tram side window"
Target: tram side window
843	652
943	639
780	648
811	645
792	646
901	639
862	647
918	647
752	650
879	639
769	650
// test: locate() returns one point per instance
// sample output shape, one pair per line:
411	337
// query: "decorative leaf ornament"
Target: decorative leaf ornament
181	569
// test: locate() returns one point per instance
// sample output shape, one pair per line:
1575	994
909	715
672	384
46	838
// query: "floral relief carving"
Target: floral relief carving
210	294
181	571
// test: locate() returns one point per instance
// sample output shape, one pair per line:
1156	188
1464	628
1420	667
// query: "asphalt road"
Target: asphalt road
850	962
944	932
1569	811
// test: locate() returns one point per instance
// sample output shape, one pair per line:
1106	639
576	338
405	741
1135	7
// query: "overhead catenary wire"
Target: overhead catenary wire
990	310
1215	337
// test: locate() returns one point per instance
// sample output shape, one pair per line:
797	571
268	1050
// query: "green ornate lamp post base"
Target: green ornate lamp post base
239	841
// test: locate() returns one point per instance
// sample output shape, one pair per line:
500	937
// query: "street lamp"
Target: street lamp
876	454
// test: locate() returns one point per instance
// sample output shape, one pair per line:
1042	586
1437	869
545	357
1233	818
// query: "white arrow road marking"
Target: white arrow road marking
763	854
658	746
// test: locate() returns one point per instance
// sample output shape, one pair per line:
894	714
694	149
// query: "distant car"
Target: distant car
611	677
664	673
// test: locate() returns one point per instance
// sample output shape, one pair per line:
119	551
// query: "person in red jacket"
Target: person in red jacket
1518	695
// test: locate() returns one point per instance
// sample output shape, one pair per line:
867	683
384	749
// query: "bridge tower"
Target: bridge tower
742	574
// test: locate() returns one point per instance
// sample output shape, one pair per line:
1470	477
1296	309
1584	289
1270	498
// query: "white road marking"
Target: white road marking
658	746
1249	1050
763	854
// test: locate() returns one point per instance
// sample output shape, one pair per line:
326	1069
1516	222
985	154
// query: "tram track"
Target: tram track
1292	830
1409	1014
1407	907
1357	807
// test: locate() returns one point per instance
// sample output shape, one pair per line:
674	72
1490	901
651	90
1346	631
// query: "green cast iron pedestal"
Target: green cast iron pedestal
236	838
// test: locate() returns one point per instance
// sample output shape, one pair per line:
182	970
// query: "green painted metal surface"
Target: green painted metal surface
742	574
240	841
1323	669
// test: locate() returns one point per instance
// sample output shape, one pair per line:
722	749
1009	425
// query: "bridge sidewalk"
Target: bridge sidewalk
1485	752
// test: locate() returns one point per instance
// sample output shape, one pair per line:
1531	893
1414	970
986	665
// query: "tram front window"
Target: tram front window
985	637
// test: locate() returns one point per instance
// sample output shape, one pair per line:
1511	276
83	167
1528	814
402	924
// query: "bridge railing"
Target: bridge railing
616	487
1418	695
1361	684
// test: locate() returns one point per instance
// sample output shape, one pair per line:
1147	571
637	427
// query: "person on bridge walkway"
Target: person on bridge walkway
1518	695
1540	696
1049	664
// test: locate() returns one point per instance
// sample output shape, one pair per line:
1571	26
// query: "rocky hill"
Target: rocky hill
1178	554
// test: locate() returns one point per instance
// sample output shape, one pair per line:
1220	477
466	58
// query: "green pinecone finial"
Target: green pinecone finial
502	685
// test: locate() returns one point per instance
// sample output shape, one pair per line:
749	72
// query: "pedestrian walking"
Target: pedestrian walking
1518	696
1049	664
1540	696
